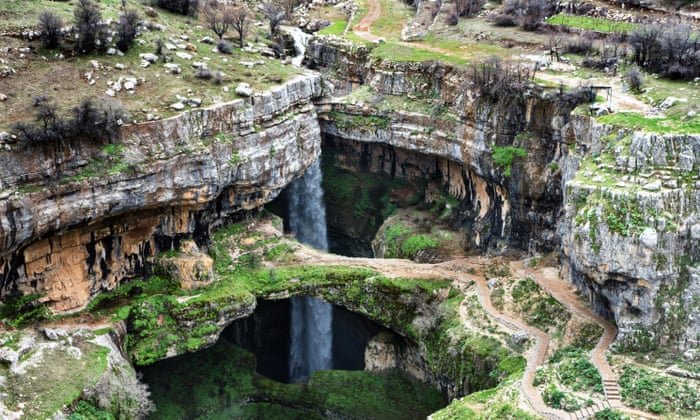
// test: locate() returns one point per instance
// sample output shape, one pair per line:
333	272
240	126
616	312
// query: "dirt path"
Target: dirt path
363	27
619	99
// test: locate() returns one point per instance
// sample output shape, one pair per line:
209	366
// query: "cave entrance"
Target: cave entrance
245	375
364	184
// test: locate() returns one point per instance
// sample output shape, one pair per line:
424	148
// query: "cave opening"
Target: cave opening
246	374
363	185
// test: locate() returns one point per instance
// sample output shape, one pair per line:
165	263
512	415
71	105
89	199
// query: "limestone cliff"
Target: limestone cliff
631	231
74	222
433	114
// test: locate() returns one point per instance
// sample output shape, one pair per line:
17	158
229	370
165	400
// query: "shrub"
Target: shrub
97	121
121	394
224	47
579	45
183	7
87	19
468	8
217	17
19	310
671	50
500	82
634	79
203	73
126	29
92	121
50	25
503	157
505	21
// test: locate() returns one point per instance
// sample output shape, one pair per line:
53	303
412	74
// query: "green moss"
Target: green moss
503	157
56	381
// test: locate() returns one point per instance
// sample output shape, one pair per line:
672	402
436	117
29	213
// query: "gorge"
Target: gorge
362	236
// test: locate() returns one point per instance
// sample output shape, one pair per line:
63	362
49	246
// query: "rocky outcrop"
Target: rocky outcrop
104	211
631	231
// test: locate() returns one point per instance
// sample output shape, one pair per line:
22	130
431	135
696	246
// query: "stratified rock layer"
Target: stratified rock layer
69	238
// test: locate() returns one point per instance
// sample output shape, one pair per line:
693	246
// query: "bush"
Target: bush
672	50
499	81
126	29
50	25
634	79
87	18
122	394
92	121
579	45
224	47
505	21
19	310
203	73
183	7
503	157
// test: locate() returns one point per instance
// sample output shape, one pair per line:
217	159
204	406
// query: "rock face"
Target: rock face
106	212
622	207
459	132
630	247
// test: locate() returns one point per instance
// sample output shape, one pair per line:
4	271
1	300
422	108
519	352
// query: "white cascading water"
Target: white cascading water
301	40
311	334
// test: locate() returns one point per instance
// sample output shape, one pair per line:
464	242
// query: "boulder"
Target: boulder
244	89
151	58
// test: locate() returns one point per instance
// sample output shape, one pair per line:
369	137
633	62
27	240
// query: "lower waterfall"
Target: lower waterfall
311	339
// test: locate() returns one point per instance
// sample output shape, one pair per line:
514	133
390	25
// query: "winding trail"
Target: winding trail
458	270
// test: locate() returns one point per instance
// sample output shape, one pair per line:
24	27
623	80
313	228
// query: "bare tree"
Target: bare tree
468	8
217	17
275	14
240	21
50	25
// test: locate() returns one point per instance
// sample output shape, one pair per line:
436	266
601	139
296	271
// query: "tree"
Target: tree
240	21
275	14
126	29
218	17
468	8
50	25
87	22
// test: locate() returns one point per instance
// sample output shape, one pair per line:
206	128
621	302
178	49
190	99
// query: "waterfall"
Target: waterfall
311	319
301	40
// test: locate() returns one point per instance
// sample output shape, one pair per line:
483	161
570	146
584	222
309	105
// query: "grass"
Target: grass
503	157
57	380
396	52
655	125
394	16
158	90
591	23
336	28
537	307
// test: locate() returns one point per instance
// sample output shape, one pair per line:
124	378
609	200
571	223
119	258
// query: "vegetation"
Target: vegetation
591	23
228	385
538	308
660	394
20	310
503	157
58	379
50	25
